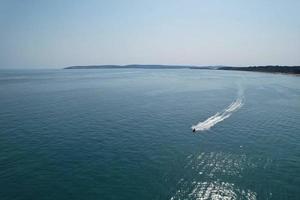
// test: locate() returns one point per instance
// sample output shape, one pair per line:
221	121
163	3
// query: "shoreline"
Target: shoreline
292	70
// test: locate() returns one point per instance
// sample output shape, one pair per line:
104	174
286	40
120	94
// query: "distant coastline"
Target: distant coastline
136	66
268	68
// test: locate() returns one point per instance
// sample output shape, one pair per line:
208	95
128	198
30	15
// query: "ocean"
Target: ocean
117	134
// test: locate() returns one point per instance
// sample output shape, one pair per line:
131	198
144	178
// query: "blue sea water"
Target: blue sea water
126	134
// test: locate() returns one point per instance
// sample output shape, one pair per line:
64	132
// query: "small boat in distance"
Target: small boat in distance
194	130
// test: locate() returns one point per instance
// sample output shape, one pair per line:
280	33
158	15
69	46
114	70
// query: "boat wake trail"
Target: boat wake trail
219	116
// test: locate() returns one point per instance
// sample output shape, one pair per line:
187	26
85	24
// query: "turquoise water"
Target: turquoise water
126	134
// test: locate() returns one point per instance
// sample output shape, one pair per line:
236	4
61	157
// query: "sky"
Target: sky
59	33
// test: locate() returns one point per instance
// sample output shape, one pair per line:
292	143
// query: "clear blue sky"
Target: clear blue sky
58	33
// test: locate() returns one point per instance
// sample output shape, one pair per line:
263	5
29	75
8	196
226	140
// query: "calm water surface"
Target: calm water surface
126	134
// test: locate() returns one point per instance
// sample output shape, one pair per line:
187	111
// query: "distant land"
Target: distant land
268	68
137	66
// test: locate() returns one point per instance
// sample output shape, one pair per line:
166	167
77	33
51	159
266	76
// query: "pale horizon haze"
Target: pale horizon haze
60	33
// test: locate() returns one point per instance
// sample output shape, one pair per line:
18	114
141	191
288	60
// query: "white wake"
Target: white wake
219	116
